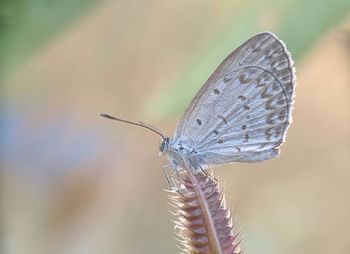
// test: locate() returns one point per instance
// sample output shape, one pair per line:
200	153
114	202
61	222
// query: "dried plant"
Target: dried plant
204	223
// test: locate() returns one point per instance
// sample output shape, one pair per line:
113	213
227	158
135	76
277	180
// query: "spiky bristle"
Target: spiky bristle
204	223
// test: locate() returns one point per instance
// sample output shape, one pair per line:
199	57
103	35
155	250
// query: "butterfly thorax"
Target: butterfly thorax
182	154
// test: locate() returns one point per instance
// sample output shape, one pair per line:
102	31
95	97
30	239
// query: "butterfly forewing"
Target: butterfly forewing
243	111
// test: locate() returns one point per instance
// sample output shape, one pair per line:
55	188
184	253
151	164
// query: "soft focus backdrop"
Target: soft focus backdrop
72	182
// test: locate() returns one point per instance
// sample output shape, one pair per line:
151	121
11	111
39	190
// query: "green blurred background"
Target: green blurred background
72	182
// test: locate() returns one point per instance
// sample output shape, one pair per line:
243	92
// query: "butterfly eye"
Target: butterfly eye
164	145
161	145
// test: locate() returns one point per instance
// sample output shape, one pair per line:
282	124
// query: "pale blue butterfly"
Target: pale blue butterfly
241	114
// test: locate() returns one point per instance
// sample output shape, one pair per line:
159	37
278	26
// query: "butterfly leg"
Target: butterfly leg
170	177
172	183
208	174
196	165
166	174
176	177
204	171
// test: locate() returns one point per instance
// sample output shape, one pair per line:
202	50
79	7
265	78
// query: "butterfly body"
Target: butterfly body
241	114
183	153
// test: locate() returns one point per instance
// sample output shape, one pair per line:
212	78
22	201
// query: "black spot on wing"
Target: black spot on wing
243	79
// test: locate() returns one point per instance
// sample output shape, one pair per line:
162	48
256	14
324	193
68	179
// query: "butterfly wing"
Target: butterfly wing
244	109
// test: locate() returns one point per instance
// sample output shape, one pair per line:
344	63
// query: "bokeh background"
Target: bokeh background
72	182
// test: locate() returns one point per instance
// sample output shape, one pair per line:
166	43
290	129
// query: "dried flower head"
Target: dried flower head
204	223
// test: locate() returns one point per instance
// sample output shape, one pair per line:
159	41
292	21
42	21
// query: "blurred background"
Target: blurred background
72	182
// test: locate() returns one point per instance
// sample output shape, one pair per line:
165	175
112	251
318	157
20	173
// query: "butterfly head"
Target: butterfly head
164	146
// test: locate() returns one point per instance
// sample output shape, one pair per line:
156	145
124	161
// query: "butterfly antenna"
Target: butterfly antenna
141	124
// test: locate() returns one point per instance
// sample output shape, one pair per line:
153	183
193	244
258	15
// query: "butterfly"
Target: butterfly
240	114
